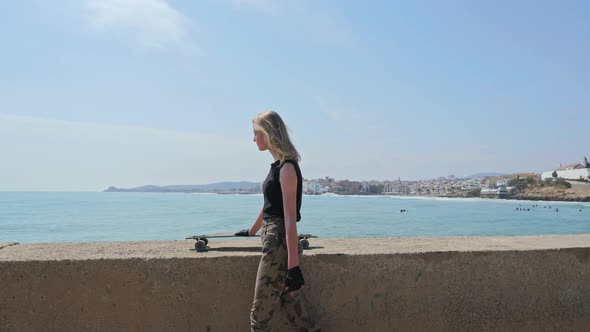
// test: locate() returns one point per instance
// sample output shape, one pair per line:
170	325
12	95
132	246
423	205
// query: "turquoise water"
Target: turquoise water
84	217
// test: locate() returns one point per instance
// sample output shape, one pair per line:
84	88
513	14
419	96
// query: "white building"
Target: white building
500	191
471	184
569	172
312	187
395	188
366	185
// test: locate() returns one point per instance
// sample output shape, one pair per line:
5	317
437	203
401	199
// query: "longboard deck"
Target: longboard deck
208	236
202	240
218	235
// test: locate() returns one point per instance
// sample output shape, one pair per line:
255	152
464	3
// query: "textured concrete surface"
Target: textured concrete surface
524	283
7	244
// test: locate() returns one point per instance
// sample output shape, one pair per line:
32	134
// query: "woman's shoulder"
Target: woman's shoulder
290	167
288	174
288	164
289	161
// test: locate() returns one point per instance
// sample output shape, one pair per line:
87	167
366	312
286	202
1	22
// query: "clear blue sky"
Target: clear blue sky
96	93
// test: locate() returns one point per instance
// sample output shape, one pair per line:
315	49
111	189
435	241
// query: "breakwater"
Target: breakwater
381	284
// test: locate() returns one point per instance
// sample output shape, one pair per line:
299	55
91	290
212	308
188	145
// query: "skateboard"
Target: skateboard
202	240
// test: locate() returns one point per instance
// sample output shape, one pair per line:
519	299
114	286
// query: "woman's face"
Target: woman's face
259	140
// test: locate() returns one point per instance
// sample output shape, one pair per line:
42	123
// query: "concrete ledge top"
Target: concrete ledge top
7	244
251	247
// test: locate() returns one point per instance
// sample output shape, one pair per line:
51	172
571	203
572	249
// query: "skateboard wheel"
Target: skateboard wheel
304	243
200	245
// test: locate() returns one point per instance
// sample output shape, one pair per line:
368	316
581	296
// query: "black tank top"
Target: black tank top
273	196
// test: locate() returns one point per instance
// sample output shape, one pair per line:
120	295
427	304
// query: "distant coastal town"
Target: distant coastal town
565	183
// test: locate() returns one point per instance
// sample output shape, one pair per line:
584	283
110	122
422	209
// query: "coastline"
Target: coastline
519	197
545	194
545	199
458	198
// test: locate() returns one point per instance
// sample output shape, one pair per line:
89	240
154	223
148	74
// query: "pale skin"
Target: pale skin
288	180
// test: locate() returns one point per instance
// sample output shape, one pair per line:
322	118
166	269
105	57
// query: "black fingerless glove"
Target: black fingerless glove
243	232
294	279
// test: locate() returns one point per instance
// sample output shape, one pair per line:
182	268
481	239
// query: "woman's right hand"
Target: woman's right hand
294	280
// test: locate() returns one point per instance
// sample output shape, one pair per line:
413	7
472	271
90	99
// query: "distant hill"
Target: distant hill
485	175
220	187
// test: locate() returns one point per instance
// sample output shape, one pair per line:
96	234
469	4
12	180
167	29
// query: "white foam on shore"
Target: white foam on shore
478	199
433	198
336	195
226	194
545	202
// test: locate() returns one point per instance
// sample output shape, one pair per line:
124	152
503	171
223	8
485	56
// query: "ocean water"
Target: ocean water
86	217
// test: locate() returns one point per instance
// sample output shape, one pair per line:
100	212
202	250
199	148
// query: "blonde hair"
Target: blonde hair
276	134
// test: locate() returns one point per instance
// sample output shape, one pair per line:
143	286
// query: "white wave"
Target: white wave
477	199
336	195
432	198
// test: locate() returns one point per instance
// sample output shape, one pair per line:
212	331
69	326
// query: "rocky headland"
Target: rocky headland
556	189
554	194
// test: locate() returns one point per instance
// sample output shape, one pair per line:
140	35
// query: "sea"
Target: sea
112	216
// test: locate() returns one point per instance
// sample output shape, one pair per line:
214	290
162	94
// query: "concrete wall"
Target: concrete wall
524	283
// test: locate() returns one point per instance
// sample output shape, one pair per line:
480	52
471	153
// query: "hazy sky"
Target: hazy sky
95	93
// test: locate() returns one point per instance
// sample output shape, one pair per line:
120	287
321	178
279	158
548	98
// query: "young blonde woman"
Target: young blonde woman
279	278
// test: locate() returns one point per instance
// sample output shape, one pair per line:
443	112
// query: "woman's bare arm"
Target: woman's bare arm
288	179
257	224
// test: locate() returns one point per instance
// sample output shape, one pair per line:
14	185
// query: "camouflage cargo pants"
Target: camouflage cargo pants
270	282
